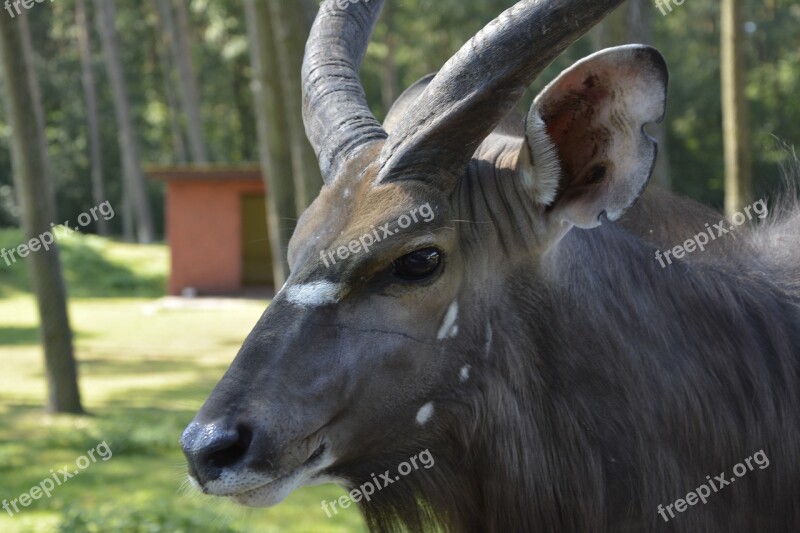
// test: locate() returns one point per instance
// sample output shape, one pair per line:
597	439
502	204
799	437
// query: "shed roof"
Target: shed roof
245	172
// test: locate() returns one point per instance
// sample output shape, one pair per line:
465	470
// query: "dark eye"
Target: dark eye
417	265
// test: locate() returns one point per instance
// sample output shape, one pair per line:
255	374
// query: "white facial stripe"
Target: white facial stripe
425	413
464	374
449	328
314	294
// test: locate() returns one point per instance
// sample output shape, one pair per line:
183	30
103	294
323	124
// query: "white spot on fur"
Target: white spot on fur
464	373
425	413
449	328
542	177
314	294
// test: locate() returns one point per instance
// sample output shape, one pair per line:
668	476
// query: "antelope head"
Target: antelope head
401	300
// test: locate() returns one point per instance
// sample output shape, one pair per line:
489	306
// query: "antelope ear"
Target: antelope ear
586	153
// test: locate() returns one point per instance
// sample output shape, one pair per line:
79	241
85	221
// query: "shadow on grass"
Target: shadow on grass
13	336
190	395
89	274
138	488
141	420
21	336
128	431
116	367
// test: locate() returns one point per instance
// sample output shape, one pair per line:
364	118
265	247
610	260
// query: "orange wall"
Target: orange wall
205	235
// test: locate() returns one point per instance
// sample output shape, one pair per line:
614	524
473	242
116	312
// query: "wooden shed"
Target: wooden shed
216	227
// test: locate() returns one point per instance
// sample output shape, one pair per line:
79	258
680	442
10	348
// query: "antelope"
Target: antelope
561	379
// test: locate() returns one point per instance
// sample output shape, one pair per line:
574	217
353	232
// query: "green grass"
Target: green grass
144	373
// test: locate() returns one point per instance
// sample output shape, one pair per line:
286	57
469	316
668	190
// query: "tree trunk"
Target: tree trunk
165	29
29	158
87	78
273	143
136	185
128	230
290	31
36	95
738	186
190	94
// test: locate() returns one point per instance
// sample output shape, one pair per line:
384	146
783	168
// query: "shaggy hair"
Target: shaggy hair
618	386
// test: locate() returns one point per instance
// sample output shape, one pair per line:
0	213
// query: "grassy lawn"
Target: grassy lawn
144	372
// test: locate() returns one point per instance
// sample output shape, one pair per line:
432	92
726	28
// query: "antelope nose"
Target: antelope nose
211	448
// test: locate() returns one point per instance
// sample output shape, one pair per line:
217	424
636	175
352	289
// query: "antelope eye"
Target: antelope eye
417	265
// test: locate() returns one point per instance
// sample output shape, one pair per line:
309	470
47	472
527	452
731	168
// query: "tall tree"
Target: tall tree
274	145
738	160
90	96
165	30
38	108
29	160
189	93
290	30
135	184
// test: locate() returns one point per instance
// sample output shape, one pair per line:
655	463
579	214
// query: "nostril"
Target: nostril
232	450
210	448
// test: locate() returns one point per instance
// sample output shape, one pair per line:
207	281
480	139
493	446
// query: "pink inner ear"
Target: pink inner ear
575	118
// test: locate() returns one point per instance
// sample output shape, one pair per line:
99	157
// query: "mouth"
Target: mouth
252	489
